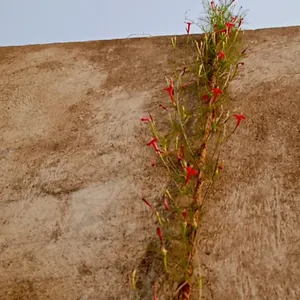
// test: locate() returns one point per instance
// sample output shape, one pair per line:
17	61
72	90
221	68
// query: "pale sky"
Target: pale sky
48	21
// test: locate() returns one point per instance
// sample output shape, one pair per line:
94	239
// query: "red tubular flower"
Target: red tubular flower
153	143
213	5
184	214
239	117
163	107
227	29
159	233
221	55
170	90
188	29
229	25
190	172
216	91
145	119
205	98
166	204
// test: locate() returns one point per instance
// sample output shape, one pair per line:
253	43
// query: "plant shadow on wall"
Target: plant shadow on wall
187	145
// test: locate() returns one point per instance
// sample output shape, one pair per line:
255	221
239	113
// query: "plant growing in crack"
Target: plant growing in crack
198	124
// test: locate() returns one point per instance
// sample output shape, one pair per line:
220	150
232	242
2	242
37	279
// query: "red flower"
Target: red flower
240	117
229	25
154	144
188	27
213	5
216	91
221	55
190	172
166	204
227	30
146	119
163	107
170	90
205	98
159	233
184	214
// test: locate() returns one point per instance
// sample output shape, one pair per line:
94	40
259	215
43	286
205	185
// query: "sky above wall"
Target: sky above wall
48	21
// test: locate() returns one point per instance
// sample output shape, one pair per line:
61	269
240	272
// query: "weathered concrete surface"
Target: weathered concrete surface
251	228
74	168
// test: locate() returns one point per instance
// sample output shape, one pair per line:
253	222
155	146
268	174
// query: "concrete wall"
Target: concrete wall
74	167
